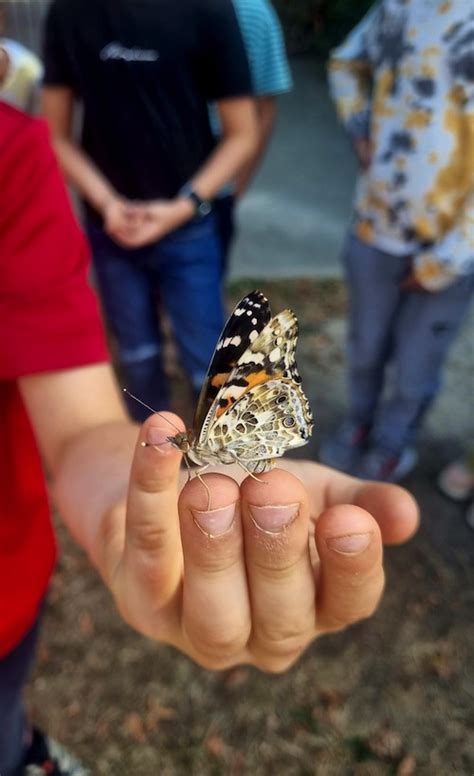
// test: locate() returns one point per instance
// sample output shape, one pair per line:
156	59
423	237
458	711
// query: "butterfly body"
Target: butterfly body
252	407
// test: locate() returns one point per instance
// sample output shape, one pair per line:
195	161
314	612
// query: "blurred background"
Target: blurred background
393	695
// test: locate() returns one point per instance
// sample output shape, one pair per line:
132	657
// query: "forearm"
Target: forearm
83	174
266	113
86	442
90	488
234	151
223	165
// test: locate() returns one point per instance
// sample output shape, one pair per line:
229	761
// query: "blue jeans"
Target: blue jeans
408	330
224	208
180	274
14	670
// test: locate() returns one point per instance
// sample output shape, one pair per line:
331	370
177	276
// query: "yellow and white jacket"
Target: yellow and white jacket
404	78
25	71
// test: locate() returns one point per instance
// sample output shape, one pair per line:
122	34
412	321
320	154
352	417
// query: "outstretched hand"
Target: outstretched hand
271	565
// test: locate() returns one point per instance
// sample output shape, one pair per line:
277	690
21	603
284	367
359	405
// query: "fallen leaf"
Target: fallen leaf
407	766
134	727
86	624
215	745
236	677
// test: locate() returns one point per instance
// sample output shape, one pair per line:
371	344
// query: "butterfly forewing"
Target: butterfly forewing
271	355
248	319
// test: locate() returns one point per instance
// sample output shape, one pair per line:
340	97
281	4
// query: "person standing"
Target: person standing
403	84
148	166
271	77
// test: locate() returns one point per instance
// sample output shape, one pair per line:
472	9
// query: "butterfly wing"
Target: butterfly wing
250	316
267	420
270	355
261	410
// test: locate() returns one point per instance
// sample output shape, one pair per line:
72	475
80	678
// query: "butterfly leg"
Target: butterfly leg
198	475
247	471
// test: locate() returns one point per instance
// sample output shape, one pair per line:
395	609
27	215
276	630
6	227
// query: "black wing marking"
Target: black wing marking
250	316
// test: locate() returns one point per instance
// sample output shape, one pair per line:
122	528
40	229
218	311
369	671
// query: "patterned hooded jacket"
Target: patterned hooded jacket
404	78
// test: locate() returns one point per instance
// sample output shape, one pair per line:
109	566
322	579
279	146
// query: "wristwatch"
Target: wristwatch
202	207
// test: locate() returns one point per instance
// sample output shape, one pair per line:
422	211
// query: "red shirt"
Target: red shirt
49	320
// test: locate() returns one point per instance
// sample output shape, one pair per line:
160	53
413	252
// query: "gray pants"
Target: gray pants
410	330
14	670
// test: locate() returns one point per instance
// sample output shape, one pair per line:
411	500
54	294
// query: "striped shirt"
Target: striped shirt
265	47
263	39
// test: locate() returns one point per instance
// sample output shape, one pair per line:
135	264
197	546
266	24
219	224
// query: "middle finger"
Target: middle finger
275	518
216	608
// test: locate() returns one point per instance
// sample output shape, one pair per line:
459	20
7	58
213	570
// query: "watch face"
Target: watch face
204	208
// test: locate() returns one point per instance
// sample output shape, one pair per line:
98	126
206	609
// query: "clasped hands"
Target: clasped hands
135	224
258	573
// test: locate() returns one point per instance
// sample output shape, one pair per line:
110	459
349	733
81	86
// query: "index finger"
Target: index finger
152	552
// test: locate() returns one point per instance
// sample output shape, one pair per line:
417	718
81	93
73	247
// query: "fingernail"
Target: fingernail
352	544
215	522
158	437
275	518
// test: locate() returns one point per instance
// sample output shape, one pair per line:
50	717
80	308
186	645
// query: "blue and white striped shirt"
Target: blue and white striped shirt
264	43
265	47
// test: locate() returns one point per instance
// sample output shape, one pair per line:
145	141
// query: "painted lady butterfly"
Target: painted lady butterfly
252	407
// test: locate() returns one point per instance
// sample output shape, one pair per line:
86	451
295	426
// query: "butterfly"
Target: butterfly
251	407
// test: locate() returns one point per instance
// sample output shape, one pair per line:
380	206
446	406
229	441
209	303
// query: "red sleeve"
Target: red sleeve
49	317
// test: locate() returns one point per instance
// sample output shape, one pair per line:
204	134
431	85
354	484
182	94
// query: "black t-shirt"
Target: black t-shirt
145	71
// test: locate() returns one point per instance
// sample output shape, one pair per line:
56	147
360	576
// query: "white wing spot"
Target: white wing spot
253	335
249	357
275	355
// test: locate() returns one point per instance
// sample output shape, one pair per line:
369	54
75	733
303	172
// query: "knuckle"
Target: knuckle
219	647
273	567
278	664
340	615
148	537
282	648
148	482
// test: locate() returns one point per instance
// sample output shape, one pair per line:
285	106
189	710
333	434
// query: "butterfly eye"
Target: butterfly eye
289	421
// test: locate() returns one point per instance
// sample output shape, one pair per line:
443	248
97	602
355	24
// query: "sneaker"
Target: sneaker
383	465
456	481
46	757
343	450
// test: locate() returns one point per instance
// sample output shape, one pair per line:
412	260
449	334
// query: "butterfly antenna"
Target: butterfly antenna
135	398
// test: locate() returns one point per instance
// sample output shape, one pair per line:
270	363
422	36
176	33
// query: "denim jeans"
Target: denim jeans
14	669
410	331
182	275
224	208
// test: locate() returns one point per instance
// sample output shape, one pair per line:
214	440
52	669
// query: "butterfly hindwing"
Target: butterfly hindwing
248	319
267	420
